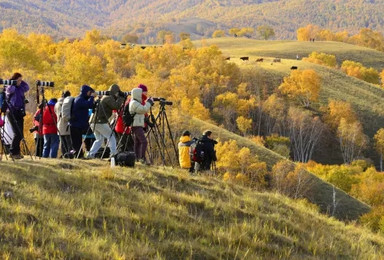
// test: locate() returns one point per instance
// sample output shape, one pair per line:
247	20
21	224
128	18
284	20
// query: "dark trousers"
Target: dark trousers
77	140
206	164
66	144
140	142
16	119
39	145
88	141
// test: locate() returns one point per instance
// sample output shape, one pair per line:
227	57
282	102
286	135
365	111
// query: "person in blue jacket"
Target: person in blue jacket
79	117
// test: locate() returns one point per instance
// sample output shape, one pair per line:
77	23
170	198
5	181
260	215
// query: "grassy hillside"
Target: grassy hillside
236	47
85	210
318	191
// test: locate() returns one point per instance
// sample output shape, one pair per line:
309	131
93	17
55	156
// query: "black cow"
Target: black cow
228	58
260	60
244	58
277	60
294	68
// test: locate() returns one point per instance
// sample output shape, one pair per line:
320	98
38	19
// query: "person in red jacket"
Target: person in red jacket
38	134
125	140
51	138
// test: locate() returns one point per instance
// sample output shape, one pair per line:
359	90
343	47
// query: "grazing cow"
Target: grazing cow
294	68
277	60
244	58
228	58
143	47
260	60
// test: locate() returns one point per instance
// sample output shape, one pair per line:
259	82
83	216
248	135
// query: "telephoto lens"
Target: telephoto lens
8	82
102	93
45	83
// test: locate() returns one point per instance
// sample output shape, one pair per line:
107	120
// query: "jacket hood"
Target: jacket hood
52	102
185	139
85	89
137	94
114	89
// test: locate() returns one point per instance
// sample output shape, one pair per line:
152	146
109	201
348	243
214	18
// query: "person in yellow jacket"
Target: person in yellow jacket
185	151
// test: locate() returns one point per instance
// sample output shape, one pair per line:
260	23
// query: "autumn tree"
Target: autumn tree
337	110
164	36
304	132
184	36
308	32
244	124
379	145
302	85
357	70
218	34
265	31
234	31
131	38
322	59
275	110
352	140
246	31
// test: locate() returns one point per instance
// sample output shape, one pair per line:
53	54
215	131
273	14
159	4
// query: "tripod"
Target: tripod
160	125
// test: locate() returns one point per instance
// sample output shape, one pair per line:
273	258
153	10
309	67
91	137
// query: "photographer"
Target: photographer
79	118
15	96
139	110
51	138
38	133
62	125
100	120
208	149
186	146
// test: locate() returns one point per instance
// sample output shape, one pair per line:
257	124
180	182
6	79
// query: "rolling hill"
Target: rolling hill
144	18
86	210
365	98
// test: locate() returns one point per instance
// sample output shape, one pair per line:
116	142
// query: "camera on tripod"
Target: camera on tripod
107	93
45	83
8	82
33	129
163	101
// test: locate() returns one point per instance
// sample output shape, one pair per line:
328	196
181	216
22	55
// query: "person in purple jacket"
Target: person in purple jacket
15	96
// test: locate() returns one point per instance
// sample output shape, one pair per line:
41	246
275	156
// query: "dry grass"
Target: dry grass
67	210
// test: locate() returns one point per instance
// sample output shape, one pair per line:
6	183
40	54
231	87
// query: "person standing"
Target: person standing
51	138
15	96
79	118
100	121
139	110
208	148
63	125
38	133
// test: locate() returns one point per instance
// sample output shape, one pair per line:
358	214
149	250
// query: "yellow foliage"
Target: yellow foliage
357	70
322	59
336	111
241	178
244	124
308	32
302	85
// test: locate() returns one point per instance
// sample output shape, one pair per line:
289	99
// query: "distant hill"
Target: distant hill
85	210
198	17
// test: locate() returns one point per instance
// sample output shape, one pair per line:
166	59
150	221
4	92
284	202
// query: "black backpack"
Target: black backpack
127	116
125	159
198	152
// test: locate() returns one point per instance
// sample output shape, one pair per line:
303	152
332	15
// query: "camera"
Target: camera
33	129
45	83
124	94
103	93
8	82
163	101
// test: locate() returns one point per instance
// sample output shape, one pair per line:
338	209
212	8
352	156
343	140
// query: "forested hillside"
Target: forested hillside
146	18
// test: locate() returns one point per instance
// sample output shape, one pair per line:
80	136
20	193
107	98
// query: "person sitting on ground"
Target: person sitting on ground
139	110
185	151
51	138
208	148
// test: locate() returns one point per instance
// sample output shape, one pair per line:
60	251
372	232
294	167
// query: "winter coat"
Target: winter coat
185	152
120	126
62	123
36	122
107	104
209	149
49	119
136	108
16	96
81	104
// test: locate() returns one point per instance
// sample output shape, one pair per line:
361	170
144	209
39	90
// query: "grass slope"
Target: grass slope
236	47
85	210
318	191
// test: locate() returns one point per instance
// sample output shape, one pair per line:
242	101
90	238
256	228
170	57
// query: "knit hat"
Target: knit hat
66	94
186	133
143	87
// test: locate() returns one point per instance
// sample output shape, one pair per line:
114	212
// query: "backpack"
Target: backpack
198	152
127	116
66	109
126	159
